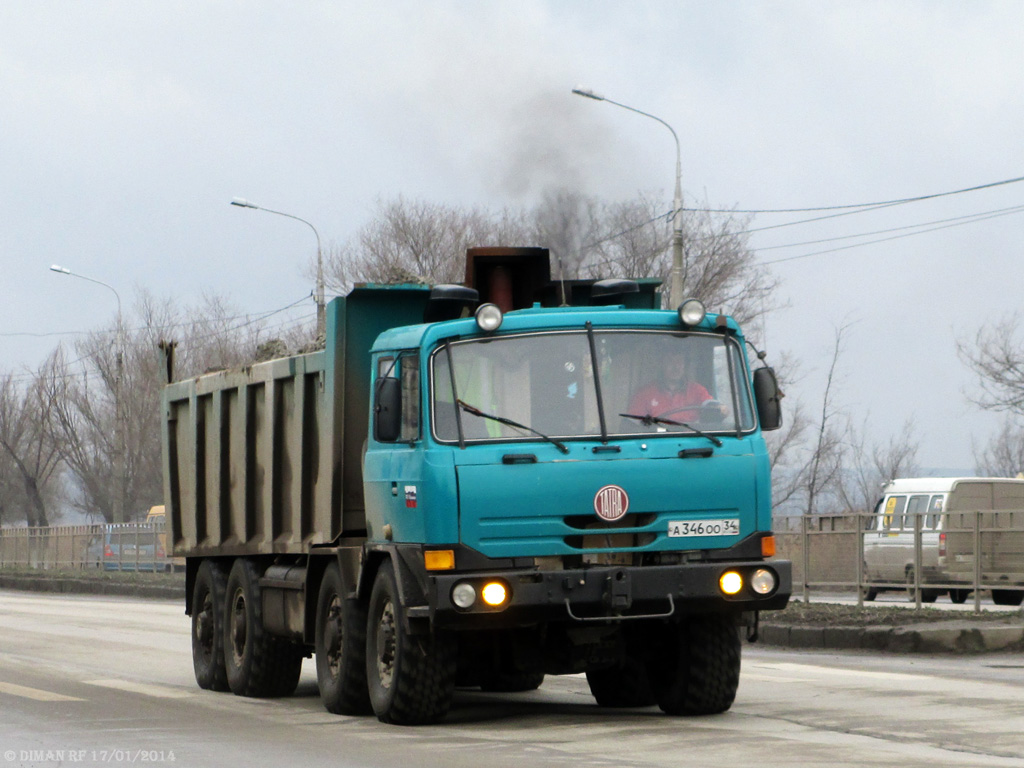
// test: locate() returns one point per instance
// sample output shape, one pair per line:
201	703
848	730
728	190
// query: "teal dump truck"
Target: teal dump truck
480	485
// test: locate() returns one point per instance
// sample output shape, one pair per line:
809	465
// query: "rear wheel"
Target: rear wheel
927	595
258	664
207	627
411	677
696	668
341	648
959	595
1007	597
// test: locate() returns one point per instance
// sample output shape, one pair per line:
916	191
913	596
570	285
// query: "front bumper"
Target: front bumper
607	593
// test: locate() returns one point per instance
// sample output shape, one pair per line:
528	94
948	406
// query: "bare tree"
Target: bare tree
31	457
87	422
1004	455
808	457
997	358
868	468
409	241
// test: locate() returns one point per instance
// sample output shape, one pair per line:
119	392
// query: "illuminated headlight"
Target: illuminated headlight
692	312
488	317
464	595
763	581
494	594
730	582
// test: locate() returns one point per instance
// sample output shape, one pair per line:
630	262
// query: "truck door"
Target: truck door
393	469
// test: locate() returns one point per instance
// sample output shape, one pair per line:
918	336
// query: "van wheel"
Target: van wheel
696	668
411	677
207	627
341	648
870	593
257	664
1007	597
959	595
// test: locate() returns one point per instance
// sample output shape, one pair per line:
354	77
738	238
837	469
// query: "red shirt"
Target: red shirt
680	405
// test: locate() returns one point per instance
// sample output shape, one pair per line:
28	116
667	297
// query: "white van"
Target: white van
889	538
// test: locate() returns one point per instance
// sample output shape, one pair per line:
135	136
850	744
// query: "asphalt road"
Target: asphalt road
89	680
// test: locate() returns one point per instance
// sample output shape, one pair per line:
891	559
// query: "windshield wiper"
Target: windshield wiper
647	420
503	420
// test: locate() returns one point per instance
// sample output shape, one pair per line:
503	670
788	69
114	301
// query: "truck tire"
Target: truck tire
411	678
959	595
696	668
207	627
257	664
1007	597
626	685
341	648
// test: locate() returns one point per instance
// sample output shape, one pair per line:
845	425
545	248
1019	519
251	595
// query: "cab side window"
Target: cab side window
406	368
409	373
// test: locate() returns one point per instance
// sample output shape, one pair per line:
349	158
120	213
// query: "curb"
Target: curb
935	637
73	586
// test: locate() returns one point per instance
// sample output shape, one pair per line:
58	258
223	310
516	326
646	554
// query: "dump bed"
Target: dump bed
267	459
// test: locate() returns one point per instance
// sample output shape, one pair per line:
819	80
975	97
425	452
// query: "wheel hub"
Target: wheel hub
386	645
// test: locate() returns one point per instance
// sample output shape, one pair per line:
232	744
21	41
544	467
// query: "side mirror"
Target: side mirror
768	398
387	410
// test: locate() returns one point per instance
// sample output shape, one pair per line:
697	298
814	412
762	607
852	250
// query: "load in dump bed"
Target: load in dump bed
480	486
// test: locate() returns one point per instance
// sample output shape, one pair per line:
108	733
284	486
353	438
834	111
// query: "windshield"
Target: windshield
651	383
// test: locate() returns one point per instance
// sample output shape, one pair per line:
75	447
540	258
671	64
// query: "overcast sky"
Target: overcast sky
127	127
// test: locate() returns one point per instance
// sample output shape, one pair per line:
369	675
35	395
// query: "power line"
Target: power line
255	318
883	203
1007	212
966	219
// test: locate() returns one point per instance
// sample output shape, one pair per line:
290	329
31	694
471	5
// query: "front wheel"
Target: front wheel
696	667
411	677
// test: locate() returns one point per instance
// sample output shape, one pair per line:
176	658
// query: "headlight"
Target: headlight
692	312
488	317
763	581
464	595
495	594
730	582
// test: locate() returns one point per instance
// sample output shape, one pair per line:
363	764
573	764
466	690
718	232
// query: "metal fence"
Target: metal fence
957	554
110	547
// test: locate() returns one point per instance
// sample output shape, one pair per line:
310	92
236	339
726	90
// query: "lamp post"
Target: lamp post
321	317
121	429
676	283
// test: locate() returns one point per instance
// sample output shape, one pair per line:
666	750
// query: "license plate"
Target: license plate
725	526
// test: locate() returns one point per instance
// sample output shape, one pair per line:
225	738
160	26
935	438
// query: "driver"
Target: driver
675	394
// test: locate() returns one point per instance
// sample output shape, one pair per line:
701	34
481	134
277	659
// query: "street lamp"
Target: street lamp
121	442
321	317
676	284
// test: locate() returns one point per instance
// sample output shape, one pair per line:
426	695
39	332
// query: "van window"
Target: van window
916	507
892	520
935	511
